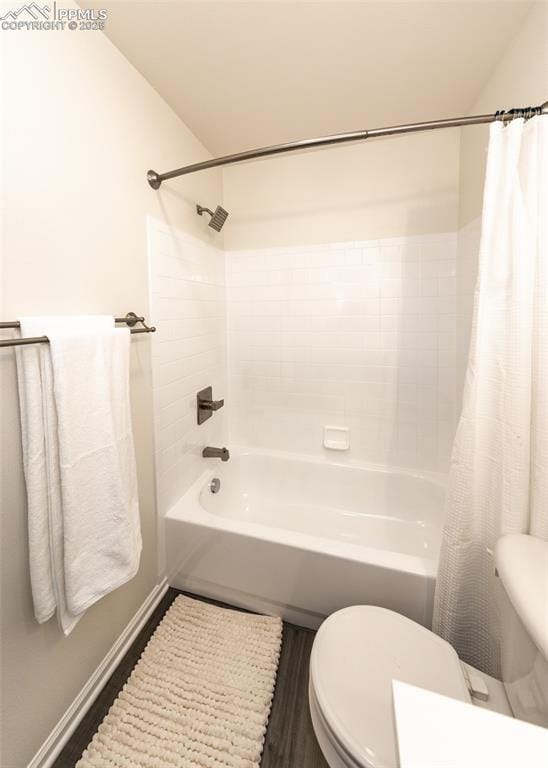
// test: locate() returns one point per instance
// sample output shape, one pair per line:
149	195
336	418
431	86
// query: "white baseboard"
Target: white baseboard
66	726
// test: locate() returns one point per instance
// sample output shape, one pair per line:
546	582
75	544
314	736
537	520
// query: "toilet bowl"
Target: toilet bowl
359	651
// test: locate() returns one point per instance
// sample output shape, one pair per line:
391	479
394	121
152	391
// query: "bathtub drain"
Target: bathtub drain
215	485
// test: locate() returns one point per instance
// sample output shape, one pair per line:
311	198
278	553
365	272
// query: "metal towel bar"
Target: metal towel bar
131	319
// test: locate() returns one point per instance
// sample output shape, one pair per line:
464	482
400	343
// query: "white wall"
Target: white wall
359	335
81	129
520	79
396	187
187	284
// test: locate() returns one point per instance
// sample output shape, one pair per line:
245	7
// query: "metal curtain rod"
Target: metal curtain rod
130	319
155	179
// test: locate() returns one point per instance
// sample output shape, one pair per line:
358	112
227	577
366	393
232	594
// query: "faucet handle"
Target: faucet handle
206	405
211	405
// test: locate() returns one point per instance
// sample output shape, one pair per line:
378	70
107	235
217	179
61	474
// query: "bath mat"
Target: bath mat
199	697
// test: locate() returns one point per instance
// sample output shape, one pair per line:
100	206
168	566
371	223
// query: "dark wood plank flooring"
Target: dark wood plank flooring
290	740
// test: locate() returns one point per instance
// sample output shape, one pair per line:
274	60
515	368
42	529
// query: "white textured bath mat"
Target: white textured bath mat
199	697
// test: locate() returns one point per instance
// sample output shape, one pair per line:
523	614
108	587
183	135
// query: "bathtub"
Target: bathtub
301	537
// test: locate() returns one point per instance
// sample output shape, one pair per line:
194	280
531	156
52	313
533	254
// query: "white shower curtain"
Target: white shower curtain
498	480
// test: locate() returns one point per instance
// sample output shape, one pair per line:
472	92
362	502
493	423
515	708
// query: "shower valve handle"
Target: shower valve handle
206	405
211	405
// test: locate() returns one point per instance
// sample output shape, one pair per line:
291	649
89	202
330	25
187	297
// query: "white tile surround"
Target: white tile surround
187	305
358	334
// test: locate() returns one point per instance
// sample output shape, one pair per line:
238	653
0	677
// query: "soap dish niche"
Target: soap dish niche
336	438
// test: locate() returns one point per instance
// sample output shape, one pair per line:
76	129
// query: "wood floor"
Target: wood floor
290	740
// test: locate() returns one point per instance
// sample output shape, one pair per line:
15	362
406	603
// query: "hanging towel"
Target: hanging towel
102	535
41	464
84	533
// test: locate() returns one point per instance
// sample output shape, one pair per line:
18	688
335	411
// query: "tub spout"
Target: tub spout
216	453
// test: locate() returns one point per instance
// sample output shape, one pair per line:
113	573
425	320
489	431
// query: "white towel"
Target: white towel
84	532
102	535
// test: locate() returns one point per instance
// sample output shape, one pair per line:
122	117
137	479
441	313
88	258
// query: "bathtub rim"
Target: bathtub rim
190	510
335	459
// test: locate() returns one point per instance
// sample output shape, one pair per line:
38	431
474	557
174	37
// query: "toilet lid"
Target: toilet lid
357	652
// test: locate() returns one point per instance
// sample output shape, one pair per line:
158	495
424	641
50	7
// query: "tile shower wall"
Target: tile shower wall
187	285
360	335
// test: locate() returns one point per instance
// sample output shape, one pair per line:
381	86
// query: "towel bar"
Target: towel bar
131	319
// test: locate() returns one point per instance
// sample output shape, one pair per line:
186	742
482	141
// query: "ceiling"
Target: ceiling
248	74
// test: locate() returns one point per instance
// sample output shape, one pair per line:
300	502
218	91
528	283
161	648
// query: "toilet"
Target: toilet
359	651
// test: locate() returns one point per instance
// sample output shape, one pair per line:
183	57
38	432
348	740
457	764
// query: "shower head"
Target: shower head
218	217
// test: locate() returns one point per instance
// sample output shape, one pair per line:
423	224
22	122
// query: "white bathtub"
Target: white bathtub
301	538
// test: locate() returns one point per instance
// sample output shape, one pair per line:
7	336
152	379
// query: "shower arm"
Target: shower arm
155	179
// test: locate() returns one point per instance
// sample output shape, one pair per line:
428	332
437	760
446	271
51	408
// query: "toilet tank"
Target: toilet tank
522	567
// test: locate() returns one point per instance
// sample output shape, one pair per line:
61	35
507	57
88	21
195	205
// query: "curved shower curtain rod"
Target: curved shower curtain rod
155	179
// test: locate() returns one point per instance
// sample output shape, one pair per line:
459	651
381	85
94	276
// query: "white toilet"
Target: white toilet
358	651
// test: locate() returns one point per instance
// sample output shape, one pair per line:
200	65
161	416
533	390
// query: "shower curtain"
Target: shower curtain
498	480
